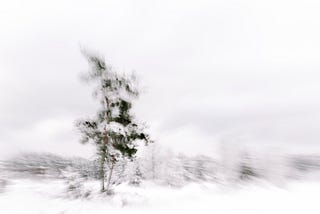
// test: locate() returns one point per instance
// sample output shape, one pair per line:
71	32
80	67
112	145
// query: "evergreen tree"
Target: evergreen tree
137	175
113	130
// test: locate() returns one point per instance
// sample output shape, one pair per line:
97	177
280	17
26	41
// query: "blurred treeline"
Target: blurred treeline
165	167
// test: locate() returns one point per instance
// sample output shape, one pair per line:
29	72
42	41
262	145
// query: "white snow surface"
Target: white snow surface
47	196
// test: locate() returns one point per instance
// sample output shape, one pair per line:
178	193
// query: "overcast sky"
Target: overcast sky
212	72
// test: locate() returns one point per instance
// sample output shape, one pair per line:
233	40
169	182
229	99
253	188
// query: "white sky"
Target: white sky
213	72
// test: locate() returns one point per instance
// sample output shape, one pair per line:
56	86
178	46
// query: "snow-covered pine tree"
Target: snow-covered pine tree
114	130
150	161
136	175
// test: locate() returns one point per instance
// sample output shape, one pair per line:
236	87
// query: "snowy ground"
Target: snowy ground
47	196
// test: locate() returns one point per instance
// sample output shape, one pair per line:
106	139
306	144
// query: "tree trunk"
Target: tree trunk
104	148
109	177
102	172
